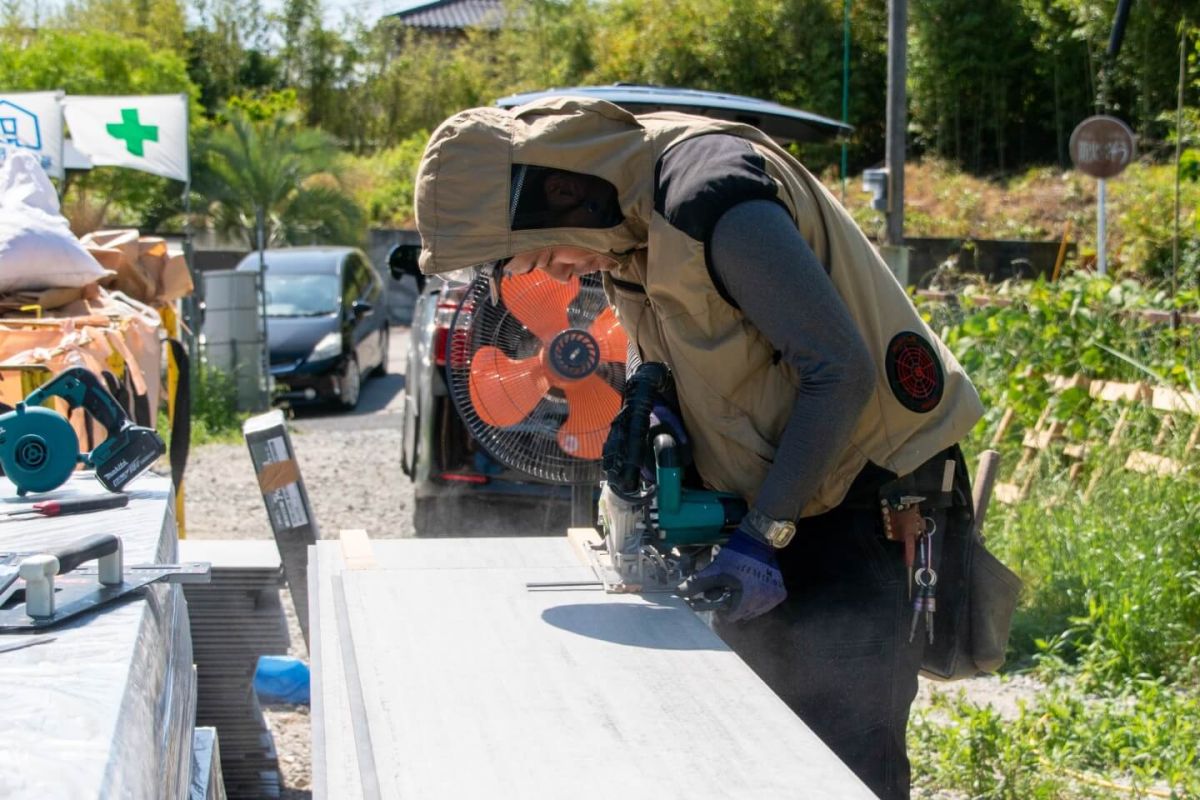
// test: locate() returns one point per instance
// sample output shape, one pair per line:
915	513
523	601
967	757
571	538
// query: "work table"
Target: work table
107	707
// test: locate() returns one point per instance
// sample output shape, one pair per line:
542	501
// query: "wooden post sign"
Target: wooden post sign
1102	146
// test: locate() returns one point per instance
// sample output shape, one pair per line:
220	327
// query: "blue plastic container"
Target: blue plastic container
282	679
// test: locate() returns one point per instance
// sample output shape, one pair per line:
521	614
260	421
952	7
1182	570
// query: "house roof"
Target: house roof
452	14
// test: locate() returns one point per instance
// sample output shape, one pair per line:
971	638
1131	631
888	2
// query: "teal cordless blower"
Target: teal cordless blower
39	448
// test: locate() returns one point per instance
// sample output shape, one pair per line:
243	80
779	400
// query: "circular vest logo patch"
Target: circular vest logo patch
914	372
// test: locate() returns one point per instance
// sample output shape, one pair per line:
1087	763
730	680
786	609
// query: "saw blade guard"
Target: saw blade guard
38	448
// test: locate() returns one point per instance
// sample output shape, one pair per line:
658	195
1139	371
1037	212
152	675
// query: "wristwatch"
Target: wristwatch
774	532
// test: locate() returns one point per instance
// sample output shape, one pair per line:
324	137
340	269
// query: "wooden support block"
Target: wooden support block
1193	440
1007	493
1165	428
1152	464
356	549
1061	383
1167	399
1119	428
1115	392
1040	440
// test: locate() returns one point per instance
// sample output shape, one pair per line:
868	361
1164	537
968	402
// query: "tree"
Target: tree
101	63
228	50
160	23
273	182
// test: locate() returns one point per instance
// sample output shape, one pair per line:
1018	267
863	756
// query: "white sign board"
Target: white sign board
33	121
143	132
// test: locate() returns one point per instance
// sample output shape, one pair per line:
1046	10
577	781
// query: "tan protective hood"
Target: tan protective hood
464	187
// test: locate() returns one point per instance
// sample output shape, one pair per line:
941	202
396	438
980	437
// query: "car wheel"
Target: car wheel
381	369
351	384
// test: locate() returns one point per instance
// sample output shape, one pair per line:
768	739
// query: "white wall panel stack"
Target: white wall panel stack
235	619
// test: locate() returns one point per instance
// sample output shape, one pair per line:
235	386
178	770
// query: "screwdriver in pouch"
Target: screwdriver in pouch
81	505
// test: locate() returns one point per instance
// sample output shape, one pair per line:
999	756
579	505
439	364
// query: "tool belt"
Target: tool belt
976	595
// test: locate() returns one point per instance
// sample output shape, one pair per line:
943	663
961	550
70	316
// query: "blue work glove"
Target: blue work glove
745	572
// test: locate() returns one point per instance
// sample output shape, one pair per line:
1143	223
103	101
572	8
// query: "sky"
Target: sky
367	11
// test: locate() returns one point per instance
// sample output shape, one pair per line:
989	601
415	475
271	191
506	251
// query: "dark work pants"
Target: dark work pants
837	649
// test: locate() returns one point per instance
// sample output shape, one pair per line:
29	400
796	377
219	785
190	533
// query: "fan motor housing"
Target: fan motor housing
573	354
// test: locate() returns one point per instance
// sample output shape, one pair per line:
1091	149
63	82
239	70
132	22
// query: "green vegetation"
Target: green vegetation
273	173
215	418
321	129
1044	203
995	88
383	182
1110	617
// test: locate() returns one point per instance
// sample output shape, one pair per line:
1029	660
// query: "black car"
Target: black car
327	321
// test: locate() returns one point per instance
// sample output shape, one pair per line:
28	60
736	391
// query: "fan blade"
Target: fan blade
539	302
593	404
503	391
609	334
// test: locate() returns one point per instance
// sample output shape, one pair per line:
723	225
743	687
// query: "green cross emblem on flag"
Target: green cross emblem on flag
132	131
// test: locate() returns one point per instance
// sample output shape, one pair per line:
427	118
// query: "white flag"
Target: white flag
33	121
146	132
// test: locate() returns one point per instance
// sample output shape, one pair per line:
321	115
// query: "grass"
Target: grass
1109	620
215	418
1139	741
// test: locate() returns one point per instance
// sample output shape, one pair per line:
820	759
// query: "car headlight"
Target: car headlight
329	346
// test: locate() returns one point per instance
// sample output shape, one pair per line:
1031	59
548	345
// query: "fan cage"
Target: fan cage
530	446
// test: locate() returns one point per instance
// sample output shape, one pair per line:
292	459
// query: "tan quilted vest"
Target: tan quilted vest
735	398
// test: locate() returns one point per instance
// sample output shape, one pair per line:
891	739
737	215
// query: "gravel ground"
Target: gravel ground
352	477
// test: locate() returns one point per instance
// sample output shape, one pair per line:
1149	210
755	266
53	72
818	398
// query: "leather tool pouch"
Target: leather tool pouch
976	594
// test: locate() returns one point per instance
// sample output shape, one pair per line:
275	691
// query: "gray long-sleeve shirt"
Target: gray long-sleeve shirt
716	188
781	287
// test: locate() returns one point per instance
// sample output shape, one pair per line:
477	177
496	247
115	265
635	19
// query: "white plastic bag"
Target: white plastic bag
37	248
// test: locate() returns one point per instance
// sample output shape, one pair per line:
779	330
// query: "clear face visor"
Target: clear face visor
543	197
547	197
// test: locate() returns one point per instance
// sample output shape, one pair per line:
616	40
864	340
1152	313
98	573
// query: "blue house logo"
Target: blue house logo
19	126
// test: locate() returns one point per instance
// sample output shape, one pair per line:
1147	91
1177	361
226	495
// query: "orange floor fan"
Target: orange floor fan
537	375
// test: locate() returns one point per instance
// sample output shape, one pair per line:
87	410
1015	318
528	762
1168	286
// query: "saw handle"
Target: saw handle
38	571
623	461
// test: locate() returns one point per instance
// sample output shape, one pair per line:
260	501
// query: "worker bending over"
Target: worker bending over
807	381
